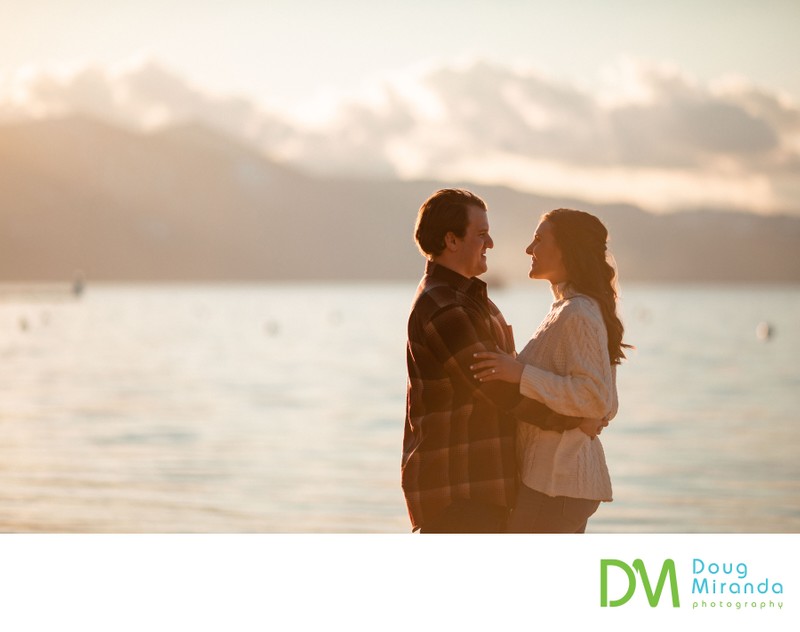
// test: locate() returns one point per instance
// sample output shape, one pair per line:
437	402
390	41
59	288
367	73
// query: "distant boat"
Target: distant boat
495	282
78	284
42	290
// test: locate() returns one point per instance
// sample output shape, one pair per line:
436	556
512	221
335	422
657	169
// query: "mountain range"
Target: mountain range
80	196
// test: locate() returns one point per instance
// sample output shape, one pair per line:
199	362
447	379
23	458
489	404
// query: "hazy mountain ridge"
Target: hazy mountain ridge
190	204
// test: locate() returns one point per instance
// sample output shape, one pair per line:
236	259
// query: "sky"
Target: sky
668	105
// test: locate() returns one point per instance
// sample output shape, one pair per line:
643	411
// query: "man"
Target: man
459	463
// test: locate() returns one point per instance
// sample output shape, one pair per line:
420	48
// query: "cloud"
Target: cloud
646	133
664	142
655	189
354	141
142	94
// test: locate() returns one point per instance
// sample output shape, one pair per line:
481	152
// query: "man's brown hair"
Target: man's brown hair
446	211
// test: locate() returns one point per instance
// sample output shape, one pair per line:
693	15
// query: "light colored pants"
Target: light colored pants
539	513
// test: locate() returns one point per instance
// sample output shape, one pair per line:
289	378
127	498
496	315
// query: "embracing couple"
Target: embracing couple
494	441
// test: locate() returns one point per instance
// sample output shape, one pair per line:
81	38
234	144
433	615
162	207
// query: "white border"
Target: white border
374	582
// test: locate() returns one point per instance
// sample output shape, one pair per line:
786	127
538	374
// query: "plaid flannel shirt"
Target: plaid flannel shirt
459	438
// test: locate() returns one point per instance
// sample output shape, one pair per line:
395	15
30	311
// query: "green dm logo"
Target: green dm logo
653	597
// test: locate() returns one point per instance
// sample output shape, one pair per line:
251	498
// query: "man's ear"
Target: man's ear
451	241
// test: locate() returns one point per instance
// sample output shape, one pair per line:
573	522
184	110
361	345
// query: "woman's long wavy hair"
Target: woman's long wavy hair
583	241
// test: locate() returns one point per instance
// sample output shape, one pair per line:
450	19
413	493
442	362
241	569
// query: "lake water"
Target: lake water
279	408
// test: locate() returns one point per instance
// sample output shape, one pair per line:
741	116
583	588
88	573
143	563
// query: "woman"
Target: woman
570	365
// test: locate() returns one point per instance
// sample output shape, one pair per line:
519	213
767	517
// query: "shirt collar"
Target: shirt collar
473	286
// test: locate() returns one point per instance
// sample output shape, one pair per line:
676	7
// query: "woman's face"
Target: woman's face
546	260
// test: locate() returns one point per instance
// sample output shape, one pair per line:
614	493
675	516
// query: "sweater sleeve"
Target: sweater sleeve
587	389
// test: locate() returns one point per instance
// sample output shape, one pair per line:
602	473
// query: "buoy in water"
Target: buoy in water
335	317
764	331
272	328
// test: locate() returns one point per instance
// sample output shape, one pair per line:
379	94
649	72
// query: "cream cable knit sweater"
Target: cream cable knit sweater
567	367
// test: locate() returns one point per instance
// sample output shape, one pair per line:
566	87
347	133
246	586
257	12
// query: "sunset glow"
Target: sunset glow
528	97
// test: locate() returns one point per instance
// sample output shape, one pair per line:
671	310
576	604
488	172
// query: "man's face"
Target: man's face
475	243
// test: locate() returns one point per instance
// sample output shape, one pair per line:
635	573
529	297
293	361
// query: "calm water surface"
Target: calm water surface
279	408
